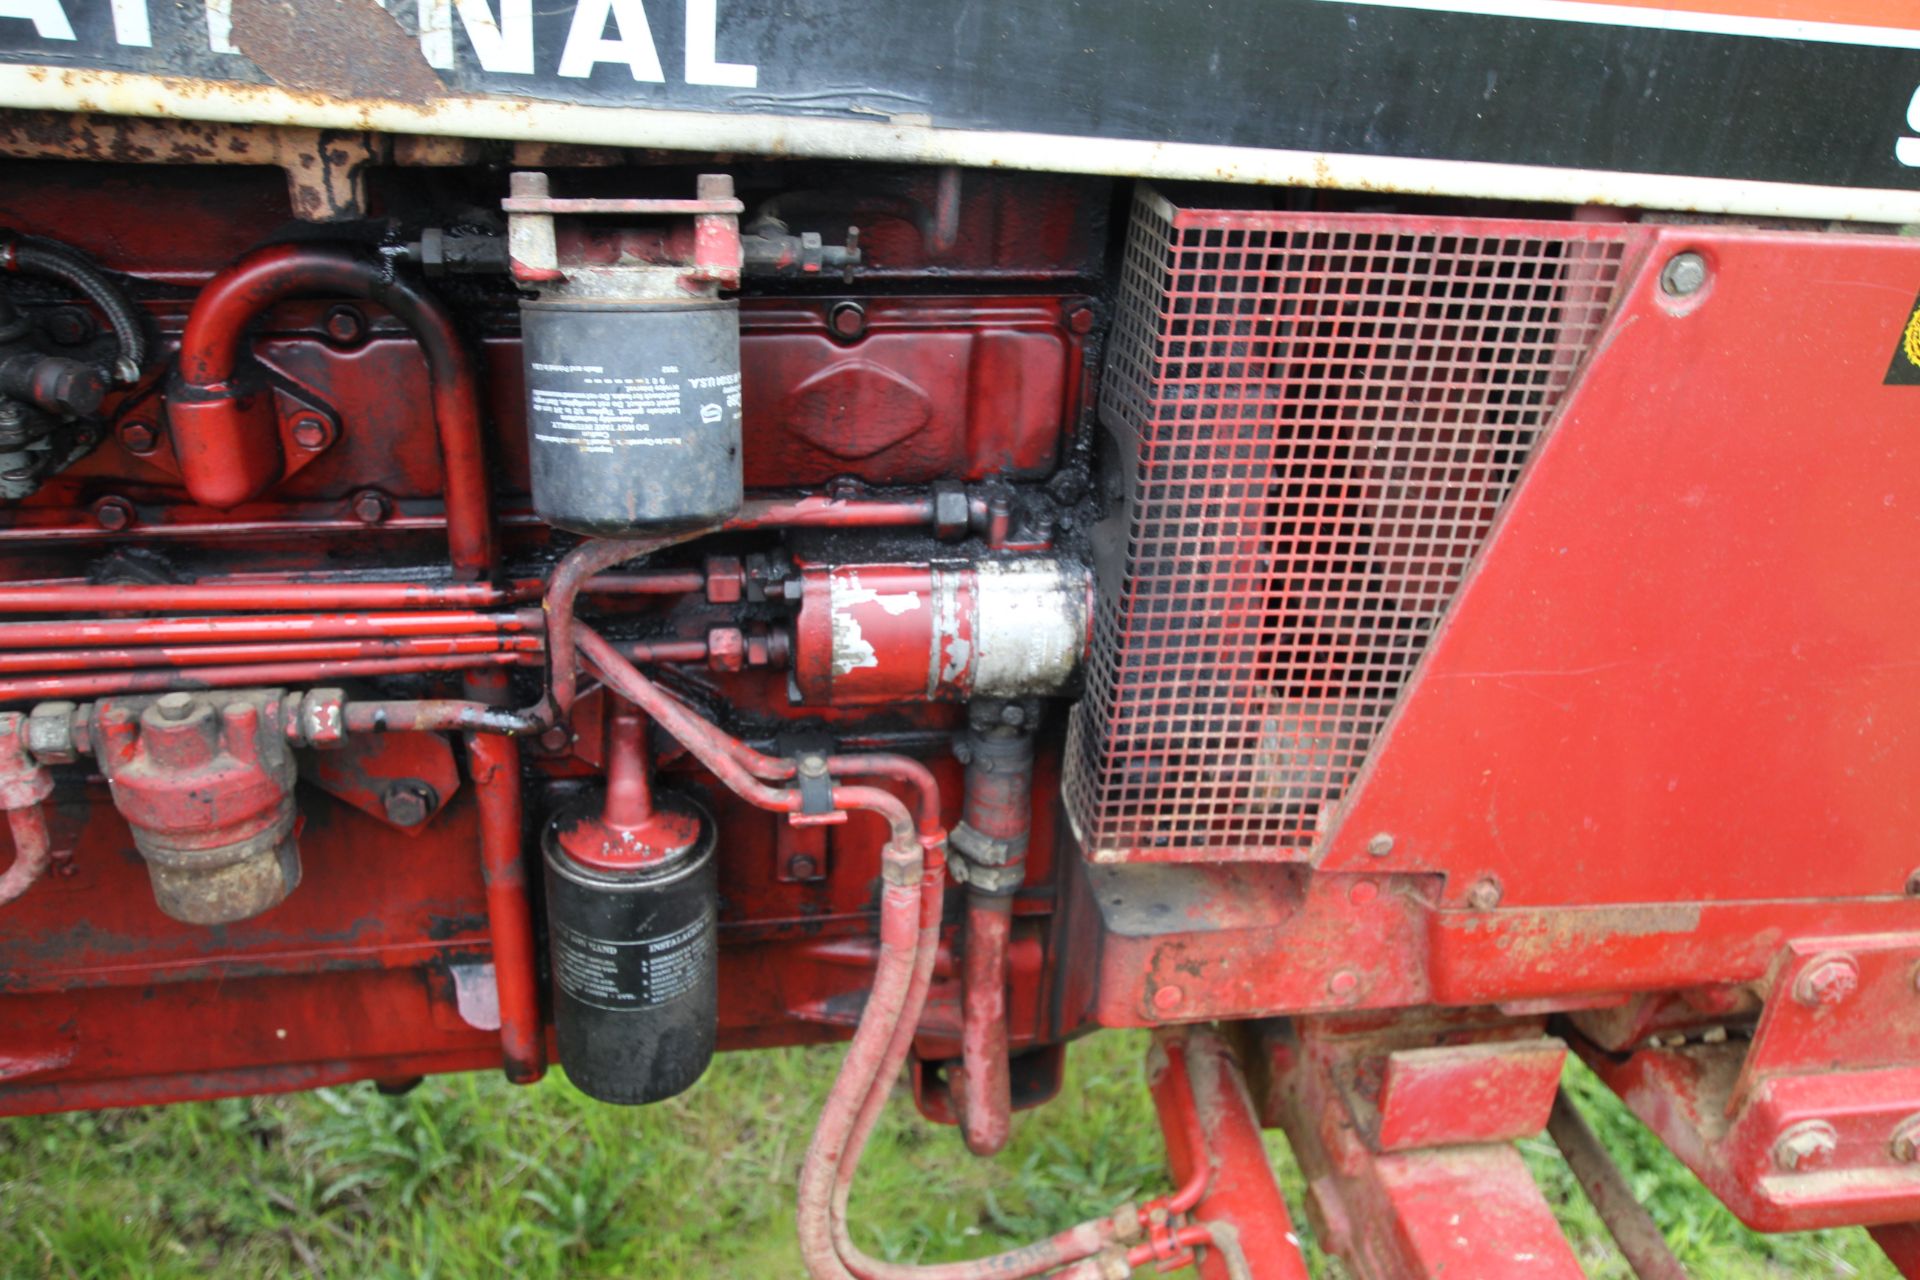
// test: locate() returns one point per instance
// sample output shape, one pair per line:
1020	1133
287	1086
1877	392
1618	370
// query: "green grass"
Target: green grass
470	1177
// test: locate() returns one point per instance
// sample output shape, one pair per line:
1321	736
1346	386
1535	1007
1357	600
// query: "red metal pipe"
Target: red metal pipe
264	674
32	851
191	656
289	595
832	513
563	588
495	764
15	636
985	1089
217	422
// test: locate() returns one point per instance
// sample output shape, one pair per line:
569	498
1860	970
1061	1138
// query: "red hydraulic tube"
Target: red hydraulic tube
265	596
233	677
283	651
15	636
495	764
833	513
225	434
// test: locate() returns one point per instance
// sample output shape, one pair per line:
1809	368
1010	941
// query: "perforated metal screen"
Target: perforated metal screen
1320	416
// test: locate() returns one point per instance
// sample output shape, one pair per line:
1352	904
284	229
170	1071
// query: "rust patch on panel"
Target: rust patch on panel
354	49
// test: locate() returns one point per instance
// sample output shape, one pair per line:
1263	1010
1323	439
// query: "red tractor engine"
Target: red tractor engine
475	604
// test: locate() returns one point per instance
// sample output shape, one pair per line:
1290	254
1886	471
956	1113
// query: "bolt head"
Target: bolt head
370	507
1806	1147
345	325
113	514
174	706
802	867
408	803
1905	1144
1380	845
1168	998
1080	319
1684	275
847	321
1827	981
310	431
1485	894
70	326
1343	985
139	437
1913	883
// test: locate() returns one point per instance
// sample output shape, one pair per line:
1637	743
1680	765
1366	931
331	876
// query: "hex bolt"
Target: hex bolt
345	325
1806	1147
812	766
408	802
1905	1143
70	326
1684	275
847	321
174	706
310	431
113	514
1380	845
556	739
371	507
1485	894
1080	319
1827	981
139	437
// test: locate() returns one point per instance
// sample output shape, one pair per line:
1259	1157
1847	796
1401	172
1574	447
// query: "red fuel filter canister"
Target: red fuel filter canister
872	634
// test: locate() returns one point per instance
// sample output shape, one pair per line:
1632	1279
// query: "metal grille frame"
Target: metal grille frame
1318	418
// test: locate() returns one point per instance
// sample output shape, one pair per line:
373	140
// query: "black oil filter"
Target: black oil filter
633	409
635	956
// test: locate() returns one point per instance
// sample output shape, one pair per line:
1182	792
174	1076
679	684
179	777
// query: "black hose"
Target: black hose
68	267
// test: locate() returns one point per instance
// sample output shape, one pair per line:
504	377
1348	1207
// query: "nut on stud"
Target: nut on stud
1827	980
1806	1147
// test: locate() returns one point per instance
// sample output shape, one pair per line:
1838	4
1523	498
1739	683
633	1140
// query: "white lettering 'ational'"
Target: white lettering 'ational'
48	18
130	24
588	43
220	26
504	44
703	37
1907	150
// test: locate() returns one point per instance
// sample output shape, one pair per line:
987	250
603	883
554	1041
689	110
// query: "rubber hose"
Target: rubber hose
60	264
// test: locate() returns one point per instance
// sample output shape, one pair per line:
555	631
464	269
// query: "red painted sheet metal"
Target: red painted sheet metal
1686	666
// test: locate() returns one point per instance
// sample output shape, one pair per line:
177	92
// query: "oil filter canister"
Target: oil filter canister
634	950
633	409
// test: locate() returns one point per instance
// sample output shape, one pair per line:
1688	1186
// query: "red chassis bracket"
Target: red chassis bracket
1816	1123
1461	1205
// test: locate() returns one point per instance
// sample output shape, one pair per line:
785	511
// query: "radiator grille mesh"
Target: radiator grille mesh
1321	415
